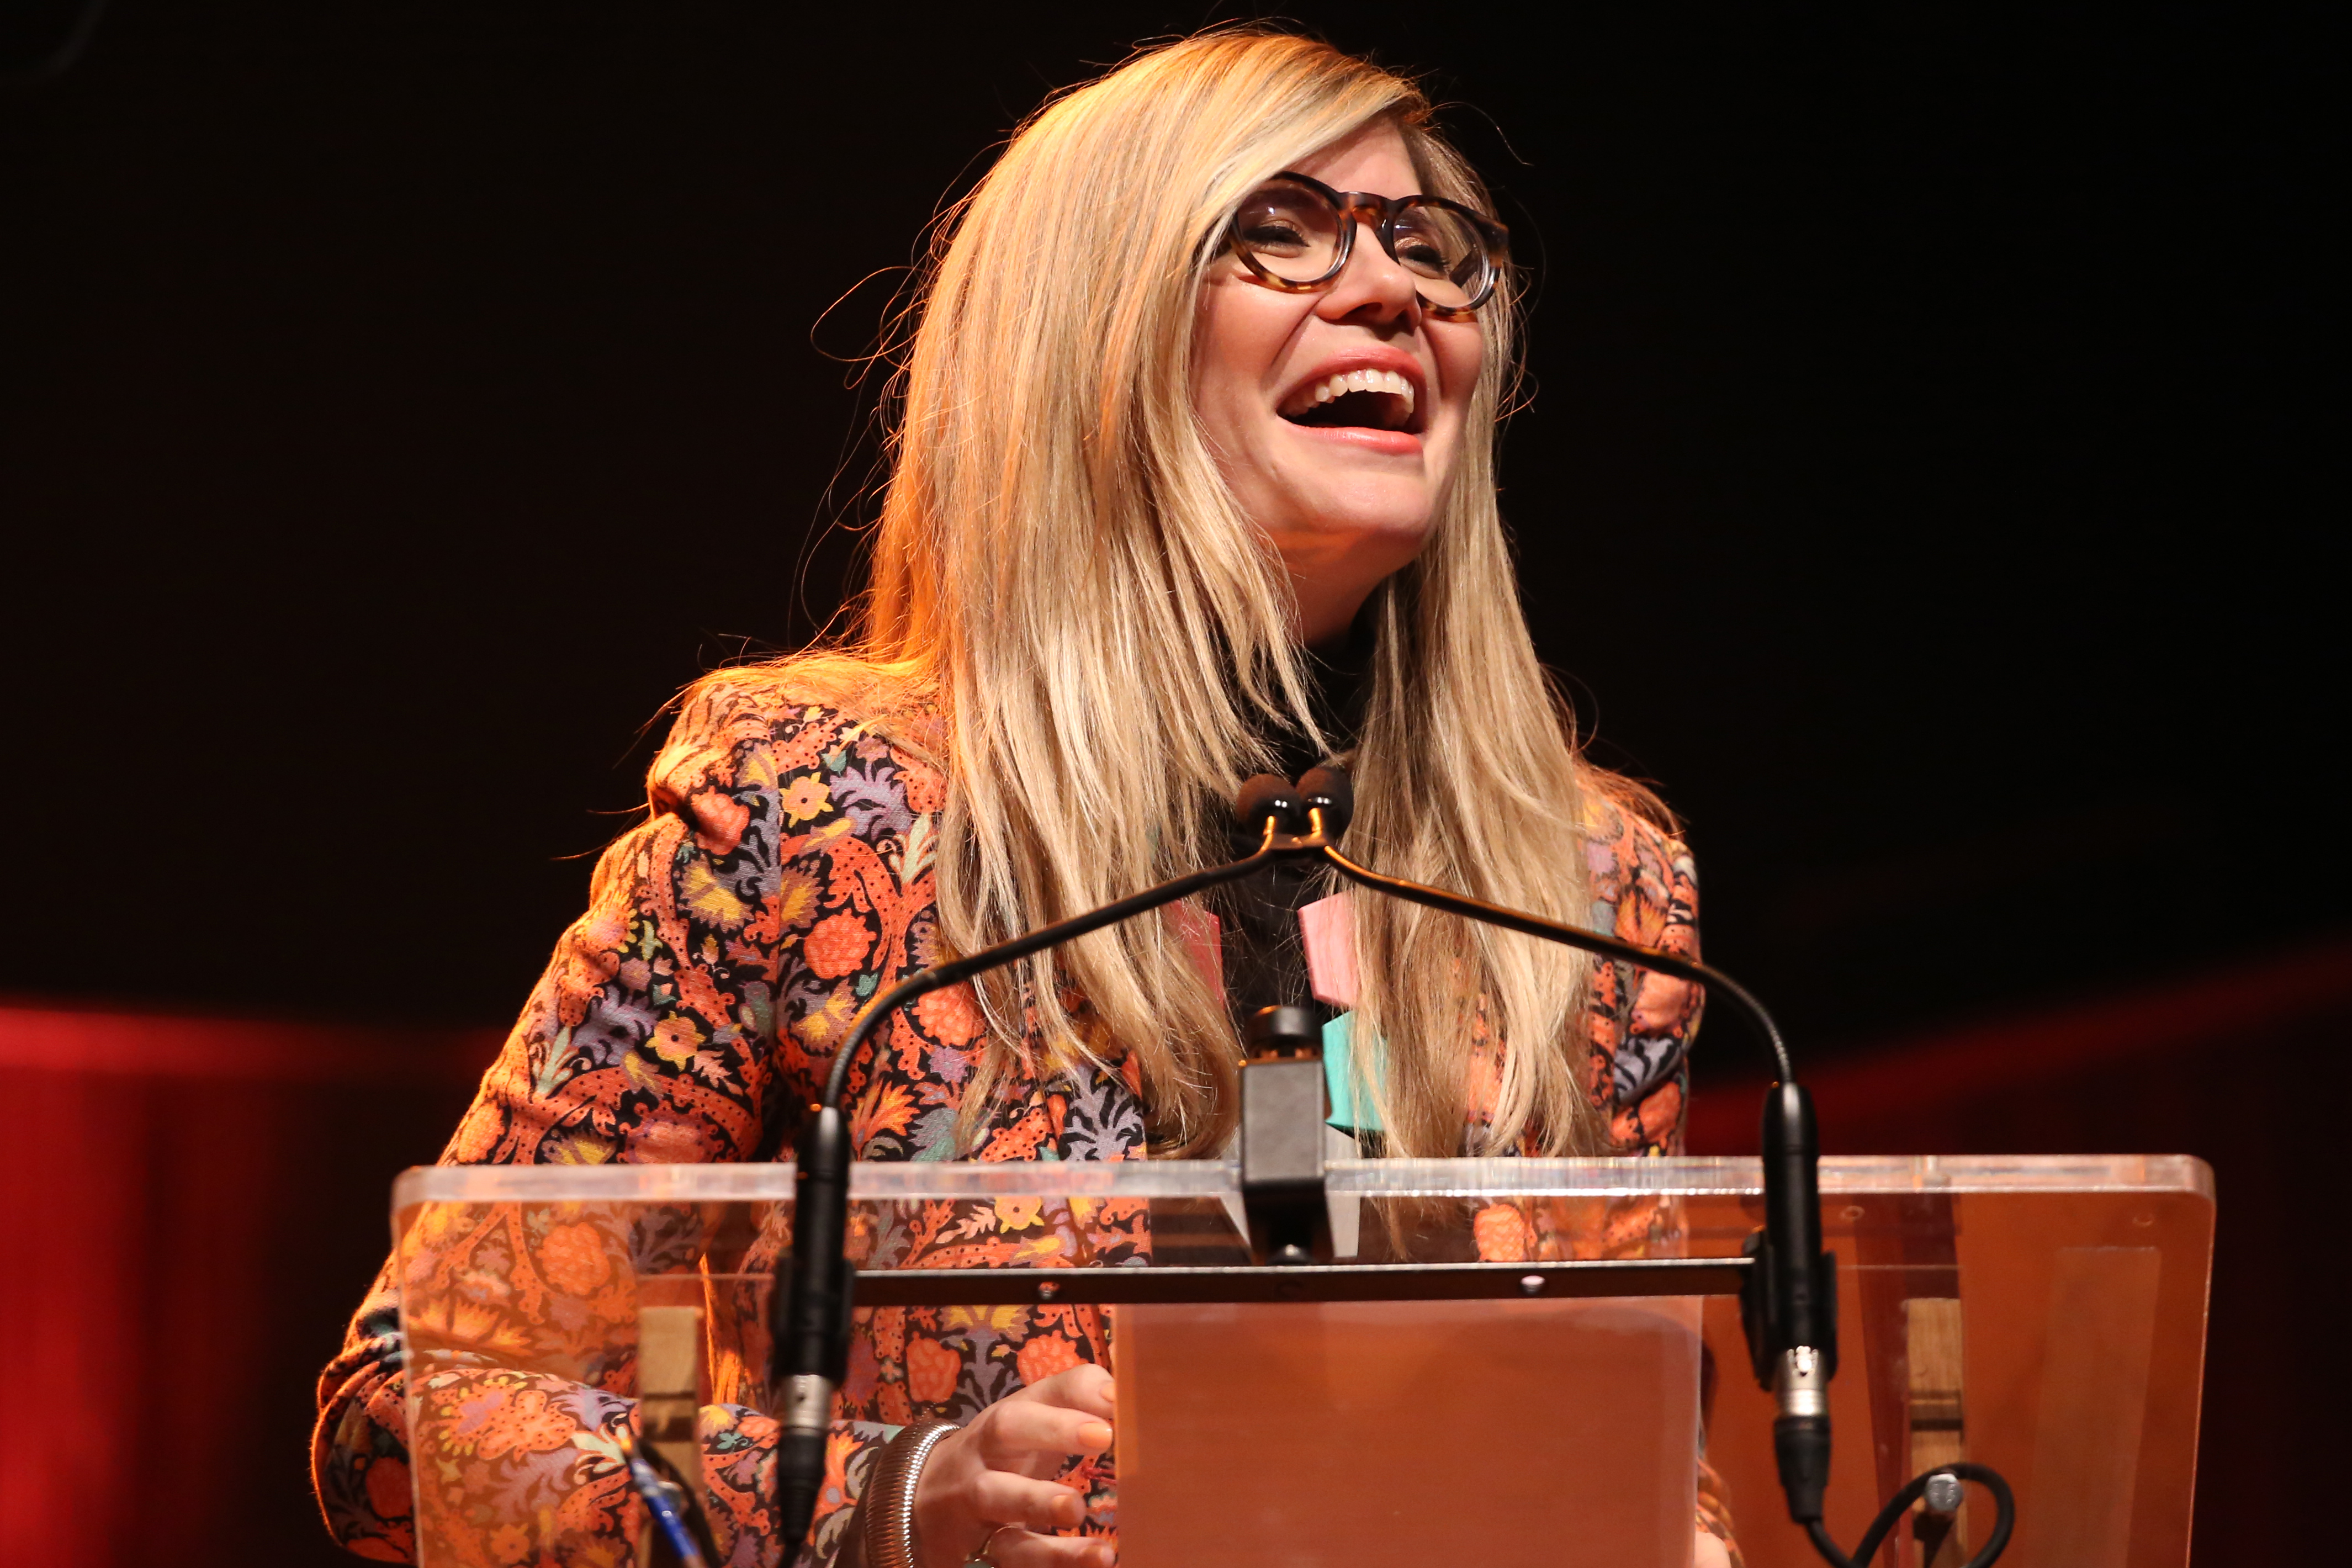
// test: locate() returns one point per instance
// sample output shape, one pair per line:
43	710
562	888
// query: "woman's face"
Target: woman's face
1347	503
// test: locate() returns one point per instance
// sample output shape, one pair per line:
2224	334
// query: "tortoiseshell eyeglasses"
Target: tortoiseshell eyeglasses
1295	233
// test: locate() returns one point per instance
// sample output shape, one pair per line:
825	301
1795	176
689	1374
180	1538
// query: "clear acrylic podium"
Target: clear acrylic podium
1509	1362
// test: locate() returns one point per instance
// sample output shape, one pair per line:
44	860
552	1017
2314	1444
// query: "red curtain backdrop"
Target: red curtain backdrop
193	1206
195	1203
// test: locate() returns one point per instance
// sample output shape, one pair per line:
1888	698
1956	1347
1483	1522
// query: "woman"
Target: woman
1178	417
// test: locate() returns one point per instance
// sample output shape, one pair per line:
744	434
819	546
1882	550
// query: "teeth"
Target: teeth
1386	381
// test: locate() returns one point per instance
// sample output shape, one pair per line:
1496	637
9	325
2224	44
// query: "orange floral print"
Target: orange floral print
1044	1356
931	1370
889	1328
837	946
804	799
527	1425
574	1260
388	1488
927	788
1502	1233
719	820
676	1040
951	1016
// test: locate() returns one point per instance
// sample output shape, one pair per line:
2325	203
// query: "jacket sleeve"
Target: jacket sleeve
728	941
1644	889
1646	1022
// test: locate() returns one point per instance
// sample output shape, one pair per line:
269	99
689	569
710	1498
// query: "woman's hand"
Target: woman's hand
1709	1553
987	1476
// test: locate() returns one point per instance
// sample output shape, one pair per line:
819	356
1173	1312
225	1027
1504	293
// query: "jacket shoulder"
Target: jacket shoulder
1643	880
791	711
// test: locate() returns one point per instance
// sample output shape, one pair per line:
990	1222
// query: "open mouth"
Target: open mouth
1370	399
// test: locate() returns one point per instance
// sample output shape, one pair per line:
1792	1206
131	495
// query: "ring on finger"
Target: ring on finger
989	1545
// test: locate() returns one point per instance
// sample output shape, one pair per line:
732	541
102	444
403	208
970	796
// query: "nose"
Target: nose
1373	287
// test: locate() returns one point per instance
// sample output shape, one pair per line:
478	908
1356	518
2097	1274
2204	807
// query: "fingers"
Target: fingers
1000	1497
1017	1434
1085	1386
1024	1549
967	1490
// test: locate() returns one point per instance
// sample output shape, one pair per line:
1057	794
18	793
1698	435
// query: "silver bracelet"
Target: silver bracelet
888	1507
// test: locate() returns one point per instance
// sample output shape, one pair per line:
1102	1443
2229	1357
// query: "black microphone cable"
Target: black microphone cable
2004	1517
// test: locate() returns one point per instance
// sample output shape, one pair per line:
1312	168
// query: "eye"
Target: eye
1278	233
1422	256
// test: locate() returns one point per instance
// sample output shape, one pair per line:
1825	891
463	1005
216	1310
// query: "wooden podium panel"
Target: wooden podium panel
1400	1433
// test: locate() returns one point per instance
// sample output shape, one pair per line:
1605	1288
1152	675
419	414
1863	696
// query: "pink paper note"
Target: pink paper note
1205	942
1328	926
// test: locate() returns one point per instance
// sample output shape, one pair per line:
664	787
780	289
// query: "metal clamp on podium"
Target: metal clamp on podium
1282	1139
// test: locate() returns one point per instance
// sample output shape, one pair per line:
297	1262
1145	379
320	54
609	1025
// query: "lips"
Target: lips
1368	397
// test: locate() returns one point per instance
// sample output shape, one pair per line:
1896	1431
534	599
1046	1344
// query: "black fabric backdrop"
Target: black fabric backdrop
1921	482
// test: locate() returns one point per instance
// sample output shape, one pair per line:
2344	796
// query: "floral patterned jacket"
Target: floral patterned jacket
784	876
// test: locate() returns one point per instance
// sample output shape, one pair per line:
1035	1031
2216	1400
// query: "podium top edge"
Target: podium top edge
1504	1179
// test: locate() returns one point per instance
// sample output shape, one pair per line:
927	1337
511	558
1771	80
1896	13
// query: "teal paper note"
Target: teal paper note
1339	1077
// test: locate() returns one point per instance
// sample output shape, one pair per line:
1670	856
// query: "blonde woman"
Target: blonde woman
1192	474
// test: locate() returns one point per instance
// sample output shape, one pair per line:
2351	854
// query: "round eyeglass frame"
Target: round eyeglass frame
1380	213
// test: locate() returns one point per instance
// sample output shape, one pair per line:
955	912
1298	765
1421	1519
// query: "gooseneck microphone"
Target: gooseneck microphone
1794	1345
809	1347
1787	1304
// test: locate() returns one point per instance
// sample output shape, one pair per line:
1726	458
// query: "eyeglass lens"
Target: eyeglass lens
1294	233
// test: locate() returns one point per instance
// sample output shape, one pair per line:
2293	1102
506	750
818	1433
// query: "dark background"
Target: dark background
398	403
1921	481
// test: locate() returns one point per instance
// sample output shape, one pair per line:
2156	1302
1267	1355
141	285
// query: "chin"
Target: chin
1373	509
1398	532
1356	547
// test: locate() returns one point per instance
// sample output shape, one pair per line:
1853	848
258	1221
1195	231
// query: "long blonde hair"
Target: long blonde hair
1059	567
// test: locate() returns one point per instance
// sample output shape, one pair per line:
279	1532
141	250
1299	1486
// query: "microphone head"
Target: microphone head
1266	795
1329	788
